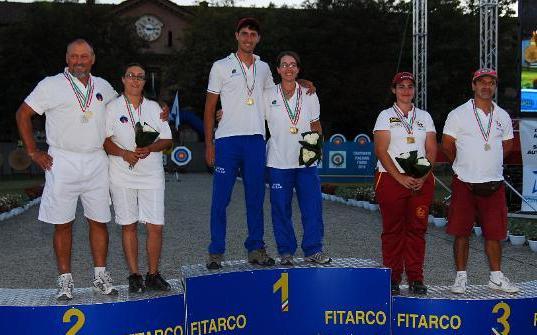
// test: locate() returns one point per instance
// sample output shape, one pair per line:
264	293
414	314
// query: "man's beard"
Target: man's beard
79	74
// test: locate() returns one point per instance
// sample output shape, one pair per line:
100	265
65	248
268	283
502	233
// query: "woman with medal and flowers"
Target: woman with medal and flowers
135	138
293	121
405	145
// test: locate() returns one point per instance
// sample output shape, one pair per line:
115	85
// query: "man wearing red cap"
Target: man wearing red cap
404	200
478	135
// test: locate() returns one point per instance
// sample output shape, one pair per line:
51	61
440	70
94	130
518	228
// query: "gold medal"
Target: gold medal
293	130
410	140
487	147
250	101
89	114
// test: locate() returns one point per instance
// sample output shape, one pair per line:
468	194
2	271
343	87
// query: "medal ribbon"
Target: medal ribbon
250	90
84	99
137	110
293	117
408	125
485	134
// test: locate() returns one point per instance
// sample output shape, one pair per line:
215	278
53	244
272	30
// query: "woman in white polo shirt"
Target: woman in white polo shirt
290	112
404	201
137	176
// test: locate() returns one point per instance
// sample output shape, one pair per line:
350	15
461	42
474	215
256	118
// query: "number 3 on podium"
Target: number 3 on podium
80	320
283	285
503	319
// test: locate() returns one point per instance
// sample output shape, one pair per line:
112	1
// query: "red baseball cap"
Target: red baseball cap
399	77
484	72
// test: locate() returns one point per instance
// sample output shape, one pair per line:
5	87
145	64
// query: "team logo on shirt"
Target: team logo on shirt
218	169
420	124
99	96
234	73
274	102
276	186
124	119
421	212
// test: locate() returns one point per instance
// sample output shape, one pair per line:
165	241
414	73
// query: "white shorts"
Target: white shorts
133	205
72	175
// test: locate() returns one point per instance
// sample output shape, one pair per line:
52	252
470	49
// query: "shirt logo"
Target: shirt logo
233	71
420	124
123	119
274	102
394	119
218	169
276	186
99	96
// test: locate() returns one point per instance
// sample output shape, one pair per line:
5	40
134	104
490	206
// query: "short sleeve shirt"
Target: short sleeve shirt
147	173
474	164
54	96
227	80
282	147
388	120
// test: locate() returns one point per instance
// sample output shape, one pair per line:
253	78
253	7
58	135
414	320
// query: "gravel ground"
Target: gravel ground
28	260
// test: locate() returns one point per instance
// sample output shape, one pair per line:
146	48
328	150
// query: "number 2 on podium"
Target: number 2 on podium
283	285
80	320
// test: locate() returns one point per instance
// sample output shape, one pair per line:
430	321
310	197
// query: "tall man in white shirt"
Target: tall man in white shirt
75	165
478	135
238	80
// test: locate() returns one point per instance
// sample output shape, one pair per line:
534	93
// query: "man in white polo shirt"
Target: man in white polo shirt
238	80
75	165
478	135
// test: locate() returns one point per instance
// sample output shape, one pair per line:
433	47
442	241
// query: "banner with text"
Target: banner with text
298	301
528	150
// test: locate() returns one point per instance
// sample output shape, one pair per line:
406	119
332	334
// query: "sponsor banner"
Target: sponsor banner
528	78
528	150
299	301
162	315
415	316
348	161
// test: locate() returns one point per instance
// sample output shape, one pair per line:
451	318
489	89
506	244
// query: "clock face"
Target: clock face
149	28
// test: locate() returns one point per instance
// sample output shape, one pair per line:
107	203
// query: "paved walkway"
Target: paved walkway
27	258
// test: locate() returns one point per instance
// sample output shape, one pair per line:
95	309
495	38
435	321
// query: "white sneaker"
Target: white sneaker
318	258
65	287
503	284
459	287
103	284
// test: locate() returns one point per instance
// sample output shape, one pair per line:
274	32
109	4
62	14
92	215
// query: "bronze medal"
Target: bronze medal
410	140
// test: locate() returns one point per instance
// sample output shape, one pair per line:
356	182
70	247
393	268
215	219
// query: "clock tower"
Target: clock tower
160	24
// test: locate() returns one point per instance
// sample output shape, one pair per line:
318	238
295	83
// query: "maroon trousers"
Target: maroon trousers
404	223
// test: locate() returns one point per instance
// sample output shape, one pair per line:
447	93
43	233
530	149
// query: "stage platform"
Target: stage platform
347	296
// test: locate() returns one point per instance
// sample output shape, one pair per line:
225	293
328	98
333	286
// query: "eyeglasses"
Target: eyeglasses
288	65
132	76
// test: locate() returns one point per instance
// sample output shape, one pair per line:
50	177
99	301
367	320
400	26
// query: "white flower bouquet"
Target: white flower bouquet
413	165
312	148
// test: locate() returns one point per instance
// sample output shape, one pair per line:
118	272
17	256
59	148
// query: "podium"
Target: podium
347	296
36	311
